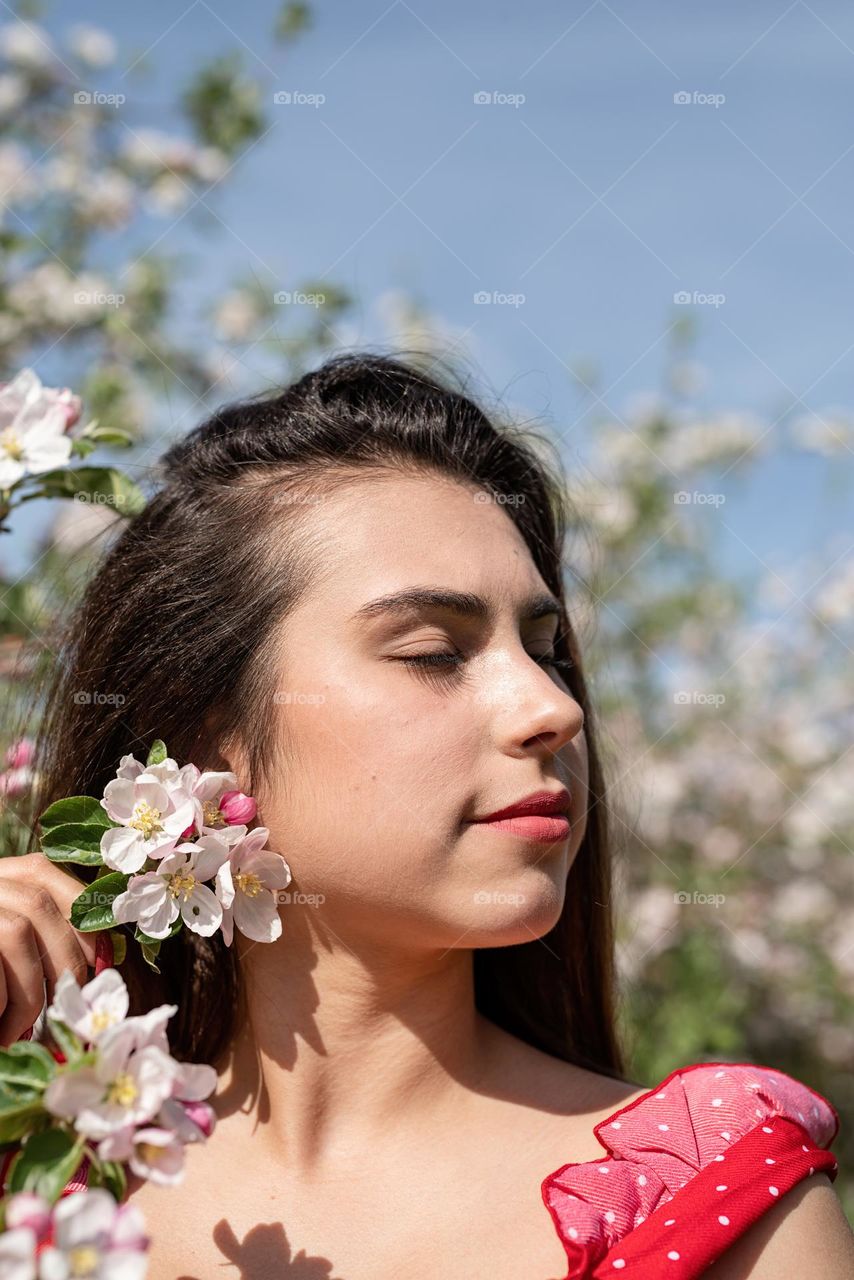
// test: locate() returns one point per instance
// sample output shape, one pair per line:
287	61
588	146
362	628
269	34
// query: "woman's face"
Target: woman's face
382	764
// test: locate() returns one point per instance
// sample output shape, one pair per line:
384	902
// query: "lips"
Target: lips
545	804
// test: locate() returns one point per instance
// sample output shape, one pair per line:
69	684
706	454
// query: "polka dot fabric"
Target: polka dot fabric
691	1164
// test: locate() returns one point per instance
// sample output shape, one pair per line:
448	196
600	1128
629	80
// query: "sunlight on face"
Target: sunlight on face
383	763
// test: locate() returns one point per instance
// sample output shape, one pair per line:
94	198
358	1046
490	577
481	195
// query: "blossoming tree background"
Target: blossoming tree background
727	702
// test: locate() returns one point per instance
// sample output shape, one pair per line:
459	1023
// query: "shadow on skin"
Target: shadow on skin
265	1254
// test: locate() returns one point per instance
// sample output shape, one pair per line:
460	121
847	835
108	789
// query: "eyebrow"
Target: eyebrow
464	603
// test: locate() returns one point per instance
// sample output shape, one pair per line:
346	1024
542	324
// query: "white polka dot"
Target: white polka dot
673	1255
572	1233
719	1157
725	1135
723	1220
619	1263
722	1187
717	1102
718	1074
603	1168
812	1170
768	1160
641	1219
803	1148
661	1095
800	1115
642	1180
664	1127
774	1191
610	1215
757	1112
670	1222
765	1129
615	1124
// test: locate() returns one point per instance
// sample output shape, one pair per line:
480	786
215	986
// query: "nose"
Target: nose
541	714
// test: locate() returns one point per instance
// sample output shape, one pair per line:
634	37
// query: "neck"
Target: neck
341	1041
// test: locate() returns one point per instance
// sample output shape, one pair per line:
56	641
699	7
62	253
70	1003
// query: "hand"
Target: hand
37	939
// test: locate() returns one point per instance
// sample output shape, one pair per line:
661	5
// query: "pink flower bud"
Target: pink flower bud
19	754
201	1114
237	808
72	406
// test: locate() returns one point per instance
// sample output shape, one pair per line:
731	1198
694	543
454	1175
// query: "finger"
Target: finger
23	974
58	941
35	868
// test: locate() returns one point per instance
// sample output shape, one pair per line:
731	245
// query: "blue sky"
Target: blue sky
597	197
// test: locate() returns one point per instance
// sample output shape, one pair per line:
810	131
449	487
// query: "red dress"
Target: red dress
691	1164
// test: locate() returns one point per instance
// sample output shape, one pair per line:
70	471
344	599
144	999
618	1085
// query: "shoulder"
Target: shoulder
690	1165
808	1223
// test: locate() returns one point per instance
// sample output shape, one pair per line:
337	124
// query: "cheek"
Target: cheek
373	786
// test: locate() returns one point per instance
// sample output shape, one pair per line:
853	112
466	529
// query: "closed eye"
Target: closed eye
456	660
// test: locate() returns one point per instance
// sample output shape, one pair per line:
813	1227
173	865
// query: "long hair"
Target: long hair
171	640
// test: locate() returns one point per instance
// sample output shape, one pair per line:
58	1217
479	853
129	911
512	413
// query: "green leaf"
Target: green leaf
94	484
85	810
46	1163
120	946
16	1122
81	448
18	1112
66	1039
75	842
108	435
93	908
26	1063
109	1174
158	752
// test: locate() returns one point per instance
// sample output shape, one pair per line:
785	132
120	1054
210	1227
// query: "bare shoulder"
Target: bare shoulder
807	1223
559	1091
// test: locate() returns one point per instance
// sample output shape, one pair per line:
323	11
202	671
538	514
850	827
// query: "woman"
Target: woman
350	595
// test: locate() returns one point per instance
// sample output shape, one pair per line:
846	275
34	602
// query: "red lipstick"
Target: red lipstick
542	816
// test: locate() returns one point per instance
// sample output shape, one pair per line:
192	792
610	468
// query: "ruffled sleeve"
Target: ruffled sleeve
692	1164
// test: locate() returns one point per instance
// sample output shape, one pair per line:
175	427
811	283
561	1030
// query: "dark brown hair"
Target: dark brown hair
170	637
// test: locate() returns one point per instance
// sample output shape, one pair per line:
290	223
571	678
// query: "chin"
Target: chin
519	913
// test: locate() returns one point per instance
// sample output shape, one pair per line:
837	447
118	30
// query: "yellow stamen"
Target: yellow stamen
11	445
146	819
150	1153
248	883
183	882
212	815
123	1091
102	1019
83	1260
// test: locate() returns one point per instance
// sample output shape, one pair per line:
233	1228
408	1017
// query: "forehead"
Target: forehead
382	535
